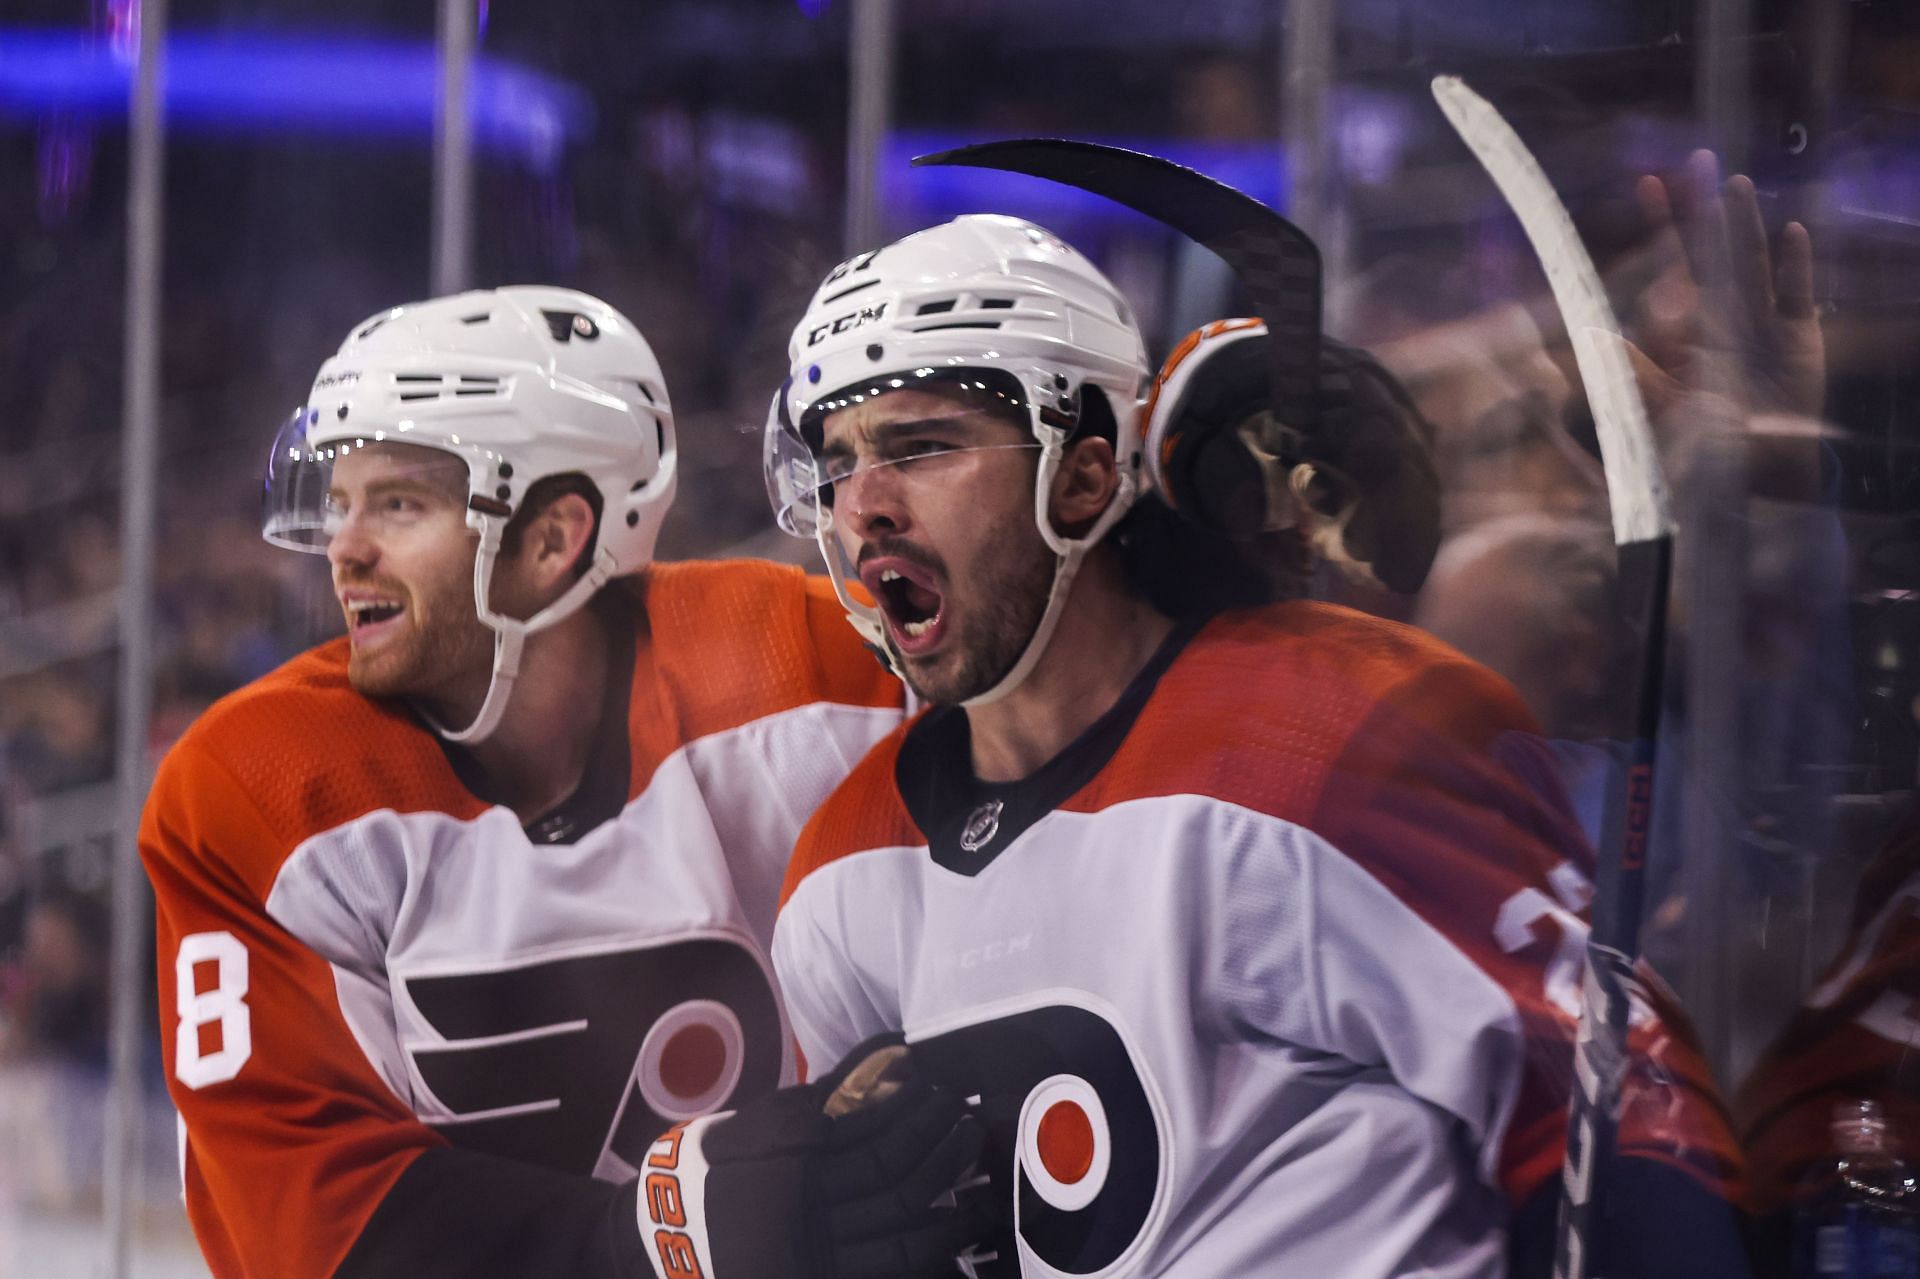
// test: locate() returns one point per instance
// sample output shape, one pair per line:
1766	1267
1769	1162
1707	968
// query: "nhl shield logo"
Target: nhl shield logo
983	823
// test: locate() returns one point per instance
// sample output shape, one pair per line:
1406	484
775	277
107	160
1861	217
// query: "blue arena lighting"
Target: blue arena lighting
325	84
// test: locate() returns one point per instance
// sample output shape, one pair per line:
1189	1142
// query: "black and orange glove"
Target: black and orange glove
849	1177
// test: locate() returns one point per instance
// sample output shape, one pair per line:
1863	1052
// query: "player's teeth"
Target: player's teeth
917	629
889	575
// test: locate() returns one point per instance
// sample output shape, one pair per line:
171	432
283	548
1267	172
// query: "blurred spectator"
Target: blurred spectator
53	996
1529	595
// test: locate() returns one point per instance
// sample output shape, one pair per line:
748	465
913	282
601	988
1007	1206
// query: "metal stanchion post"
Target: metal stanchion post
139	453
870	109
453	150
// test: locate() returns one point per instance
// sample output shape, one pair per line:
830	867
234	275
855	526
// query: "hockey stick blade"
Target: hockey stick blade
1636	491
1643	532
1276	261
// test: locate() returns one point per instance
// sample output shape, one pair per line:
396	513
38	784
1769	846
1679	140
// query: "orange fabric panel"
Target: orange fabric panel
286	1160
1288	682
738	640
309	754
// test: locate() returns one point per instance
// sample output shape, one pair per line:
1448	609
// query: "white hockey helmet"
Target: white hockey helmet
517	383
983	293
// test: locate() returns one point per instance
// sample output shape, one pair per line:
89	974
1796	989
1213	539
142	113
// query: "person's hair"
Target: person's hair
1096	416
544	492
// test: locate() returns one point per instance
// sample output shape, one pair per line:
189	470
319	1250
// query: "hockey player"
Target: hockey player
1259	955
458	914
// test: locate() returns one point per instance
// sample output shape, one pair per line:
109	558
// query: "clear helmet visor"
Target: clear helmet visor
793	481
294	511
804	469
308	495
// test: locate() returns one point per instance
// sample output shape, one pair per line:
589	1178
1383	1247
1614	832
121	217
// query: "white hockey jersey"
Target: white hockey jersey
1273	971
362	960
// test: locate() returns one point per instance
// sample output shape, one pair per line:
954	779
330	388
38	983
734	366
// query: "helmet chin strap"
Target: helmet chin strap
1072	552
1064	569
864	618
510	633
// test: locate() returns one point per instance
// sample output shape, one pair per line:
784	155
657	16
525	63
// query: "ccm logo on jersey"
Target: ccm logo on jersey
994	951
666	1207
851	320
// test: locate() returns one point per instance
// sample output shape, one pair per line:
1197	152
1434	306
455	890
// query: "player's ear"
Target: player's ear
1084	484
557	539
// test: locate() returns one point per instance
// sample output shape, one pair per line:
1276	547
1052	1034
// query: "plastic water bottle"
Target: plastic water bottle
1859	1214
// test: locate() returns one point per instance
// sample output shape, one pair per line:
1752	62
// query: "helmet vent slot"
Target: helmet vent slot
960	324
996	304
935	308
480	318
415	387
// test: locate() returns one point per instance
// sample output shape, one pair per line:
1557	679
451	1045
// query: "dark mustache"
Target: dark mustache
899	548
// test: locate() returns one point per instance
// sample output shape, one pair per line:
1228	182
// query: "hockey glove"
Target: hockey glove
837	1179
1359	481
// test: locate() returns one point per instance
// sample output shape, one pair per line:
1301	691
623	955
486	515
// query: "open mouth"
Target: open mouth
371	618
912	605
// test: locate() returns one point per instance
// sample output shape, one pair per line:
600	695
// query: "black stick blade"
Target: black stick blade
1276	261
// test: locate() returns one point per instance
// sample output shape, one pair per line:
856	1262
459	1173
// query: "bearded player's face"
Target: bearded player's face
402	559
936	513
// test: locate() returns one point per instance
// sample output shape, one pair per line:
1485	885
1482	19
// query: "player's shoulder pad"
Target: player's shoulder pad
1266	703
301	752
1340	659
736	640
299	713
864	812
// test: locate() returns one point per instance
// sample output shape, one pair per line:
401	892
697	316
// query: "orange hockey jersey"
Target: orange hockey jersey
405	1034
1274	970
